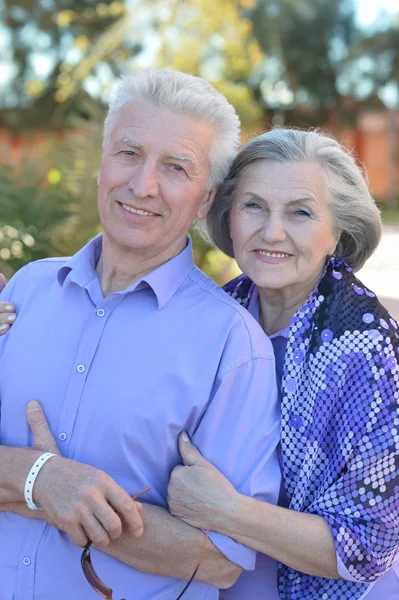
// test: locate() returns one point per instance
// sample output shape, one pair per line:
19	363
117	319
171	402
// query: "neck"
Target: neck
118	268
277	307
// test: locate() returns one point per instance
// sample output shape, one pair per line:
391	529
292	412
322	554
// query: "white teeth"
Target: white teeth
273	254
137	211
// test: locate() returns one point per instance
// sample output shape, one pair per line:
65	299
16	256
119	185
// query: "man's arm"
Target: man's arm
168	546
83	501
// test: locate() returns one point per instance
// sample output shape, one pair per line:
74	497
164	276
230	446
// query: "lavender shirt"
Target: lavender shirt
119	378
261	584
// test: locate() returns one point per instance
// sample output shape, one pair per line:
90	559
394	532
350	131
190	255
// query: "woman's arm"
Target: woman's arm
201	496
301	541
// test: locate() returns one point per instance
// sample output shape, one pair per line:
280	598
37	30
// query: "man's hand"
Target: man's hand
7	310
82	501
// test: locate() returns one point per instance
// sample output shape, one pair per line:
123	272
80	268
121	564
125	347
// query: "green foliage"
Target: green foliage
76	38
31	211
48	203
306	43
212	39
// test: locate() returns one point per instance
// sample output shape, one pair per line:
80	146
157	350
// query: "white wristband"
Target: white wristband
30	480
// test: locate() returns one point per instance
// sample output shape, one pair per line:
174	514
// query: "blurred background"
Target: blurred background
327	63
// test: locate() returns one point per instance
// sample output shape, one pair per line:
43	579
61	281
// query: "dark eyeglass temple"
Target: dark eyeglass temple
189	582
106	592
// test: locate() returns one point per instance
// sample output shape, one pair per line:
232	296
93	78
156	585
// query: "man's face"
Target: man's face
153	180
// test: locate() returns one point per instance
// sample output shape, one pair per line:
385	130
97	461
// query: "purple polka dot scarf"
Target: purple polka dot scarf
340	428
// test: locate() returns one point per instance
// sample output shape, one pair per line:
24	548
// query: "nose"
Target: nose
273	229
144	180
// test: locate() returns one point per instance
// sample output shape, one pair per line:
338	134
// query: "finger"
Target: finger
43	438
95	531
127	508
189	453
2	281
7	318
4	328
7	307
109	521
78	536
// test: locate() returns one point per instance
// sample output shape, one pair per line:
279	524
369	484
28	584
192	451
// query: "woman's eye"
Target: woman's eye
252	205
300	212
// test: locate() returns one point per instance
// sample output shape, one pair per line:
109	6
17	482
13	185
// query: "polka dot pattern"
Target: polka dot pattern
340	428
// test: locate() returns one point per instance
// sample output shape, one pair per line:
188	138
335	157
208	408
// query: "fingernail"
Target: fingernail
11	318
185	437
3	327
9	307
33	405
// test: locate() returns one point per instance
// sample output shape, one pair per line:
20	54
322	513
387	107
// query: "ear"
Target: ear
206	204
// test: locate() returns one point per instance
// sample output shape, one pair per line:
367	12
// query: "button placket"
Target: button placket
85	353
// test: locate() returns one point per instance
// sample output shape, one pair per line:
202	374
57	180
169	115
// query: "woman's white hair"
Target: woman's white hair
187	95
353	208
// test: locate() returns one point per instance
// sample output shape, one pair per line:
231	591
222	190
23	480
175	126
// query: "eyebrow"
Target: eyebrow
181	157
289	203
128	142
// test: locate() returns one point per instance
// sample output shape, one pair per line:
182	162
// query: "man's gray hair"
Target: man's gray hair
353	208
187	95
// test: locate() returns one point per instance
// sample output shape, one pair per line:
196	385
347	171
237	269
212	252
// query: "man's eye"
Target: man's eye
178	168
129	152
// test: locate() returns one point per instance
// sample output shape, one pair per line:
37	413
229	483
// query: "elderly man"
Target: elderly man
126	345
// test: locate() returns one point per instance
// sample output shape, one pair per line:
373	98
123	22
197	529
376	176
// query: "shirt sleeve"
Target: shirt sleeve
8	292
239	433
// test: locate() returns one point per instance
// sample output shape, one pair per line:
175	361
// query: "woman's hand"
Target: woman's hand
198	493
7	314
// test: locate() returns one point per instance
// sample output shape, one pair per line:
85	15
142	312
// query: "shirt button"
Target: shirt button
100	312
62	437
26	561
80	368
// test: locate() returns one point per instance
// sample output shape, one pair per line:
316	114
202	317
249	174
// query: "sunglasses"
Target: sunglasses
106	592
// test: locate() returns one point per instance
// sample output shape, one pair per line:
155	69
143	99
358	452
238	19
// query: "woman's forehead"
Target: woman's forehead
271	178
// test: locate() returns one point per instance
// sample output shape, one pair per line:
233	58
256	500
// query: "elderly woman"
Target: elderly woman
297	215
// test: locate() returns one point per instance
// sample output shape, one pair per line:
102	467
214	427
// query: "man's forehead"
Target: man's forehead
146	126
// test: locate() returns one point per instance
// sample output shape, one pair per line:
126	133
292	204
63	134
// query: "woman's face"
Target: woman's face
280	225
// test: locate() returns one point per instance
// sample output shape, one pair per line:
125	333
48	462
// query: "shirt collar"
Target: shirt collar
164	280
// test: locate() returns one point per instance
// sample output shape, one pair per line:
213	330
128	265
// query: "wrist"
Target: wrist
226	517
20	461
234	516
42	479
